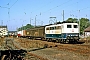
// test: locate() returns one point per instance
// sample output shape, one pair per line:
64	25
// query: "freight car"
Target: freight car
36	33
21	33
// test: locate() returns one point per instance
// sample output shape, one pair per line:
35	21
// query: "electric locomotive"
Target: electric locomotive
64	33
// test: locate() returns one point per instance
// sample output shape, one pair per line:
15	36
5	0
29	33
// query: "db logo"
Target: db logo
72	30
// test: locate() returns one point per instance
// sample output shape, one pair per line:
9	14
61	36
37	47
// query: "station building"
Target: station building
87	32
12	33
3	31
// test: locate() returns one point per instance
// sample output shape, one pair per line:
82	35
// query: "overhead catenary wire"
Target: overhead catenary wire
14	3
9	8
41	13
44	6
60	5
71	14
55	7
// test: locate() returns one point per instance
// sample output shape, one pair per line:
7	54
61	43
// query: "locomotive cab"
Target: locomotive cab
71	31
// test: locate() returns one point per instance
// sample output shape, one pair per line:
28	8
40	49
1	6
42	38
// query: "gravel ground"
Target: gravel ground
2	44
54	54
15	46
30	57
36	47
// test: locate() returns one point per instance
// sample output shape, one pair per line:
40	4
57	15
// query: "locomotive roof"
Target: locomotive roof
48	25
3	26
61	23
36	27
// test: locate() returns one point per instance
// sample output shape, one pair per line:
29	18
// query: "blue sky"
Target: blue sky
15	13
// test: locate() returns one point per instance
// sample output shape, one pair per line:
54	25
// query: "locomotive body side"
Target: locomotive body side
53	31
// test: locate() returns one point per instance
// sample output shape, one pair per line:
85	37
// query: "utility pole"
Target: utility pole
22	27
63	15
30	21
62	30
2	22
35	20
53	19
41	23
79	22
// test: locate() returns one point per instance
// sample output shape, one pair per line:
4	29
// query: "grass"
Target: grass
1	41
86	39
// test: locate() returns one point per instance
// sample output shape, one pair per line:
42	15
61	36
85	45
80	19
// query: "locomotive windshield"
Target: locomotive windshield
72	26
75	26
69	26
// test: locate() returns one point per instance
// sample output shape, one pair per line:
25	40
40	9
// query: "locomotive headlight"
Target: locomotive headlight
68	35
76	35
71	35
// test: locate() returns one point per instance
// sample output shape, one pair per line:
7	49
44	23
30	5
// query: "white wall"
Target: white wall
3	31
87	34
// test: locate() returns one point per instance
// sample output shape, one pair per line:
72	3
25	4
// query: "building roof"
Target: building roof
87	29
12	31
3	26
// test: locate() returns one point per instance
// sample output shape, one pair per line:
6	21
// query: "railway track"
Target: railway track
11	52
78	47
13	49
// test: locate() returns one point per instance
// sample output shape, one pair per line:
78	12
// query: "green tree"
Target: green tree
84	23
19	29
72	20
28	26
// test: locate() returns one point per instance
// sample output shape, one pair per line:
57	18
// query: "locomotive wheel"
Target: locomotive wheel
64	41
67	41
75	41
42	38
47	39
50	39
61	41
57	40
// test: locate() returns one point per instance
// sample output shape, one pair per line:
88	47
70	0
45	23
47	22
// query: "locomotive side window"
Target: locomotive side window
55	27
51	28
69	26
48	28
58	27
75	26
